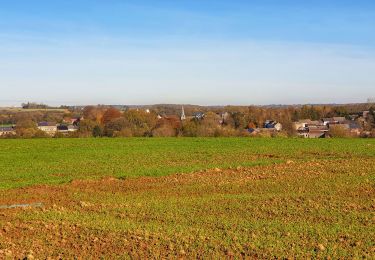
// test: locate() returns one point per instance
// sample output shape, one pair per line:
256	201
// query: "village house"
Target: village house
62	129
304	123
72	128
48	127
199	115
314	133
224	116
6	131
270	127
300	124
303	132
320	129
329	121
339	119
271	124
312	129
65	129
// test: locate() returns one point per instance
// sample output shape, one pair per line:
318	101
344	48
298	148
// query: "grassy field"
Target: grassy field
53	161
182	197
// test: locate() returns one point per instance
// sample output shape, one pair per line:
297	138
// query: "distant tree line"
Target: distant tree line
33	105
232	121
164	120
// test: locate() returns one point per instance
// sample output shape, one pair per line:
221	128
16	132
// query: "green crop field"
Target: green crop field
48	161
187	198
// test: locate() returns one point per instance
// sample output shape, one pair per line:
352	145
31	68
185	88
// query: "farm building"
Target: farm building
318	134
66	128
305	123
270	124
48	127
316	130
9	130
329	121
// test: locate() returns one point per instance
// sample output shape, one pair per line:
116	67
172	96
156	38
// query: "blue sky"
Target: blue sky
199	51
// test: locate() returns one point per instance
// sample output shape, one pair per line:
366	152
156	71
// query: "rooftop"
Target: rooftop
46	124
6	129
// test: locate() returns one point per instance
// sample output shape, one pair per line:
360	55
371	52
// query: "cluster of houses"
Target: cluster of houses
320	128
269	126
53	128
315	128
49	128
305	128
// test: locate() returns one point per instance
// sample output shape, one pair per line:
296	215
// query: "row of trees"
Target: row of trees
110	122
99	121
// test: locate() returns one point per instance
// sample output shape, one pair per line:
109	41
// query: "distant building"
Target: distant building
199	115
72	128
339	120
66	128
329	121
312	129
183	116
48	127
318	127
318	134
304	123
365	114
270	124
223	117
62	129
9	130
303	132
278	126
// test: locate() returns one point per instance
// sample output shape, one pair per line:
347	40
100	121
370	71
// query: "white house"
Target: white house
48	127
7	131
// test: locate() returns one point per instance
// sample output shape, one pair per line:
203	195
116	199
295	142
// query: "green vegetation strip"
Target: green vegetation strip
54	161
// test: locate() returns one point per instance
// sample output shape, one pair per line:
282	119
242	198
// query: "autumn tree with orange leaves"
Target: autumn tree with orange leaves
110	114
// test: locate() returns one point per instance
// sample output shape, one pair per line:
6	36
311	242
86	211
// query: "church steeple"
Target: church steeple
183	117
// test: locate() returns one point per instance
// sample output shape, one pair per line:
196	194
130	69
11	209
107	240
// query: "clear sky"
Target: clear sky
208	52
